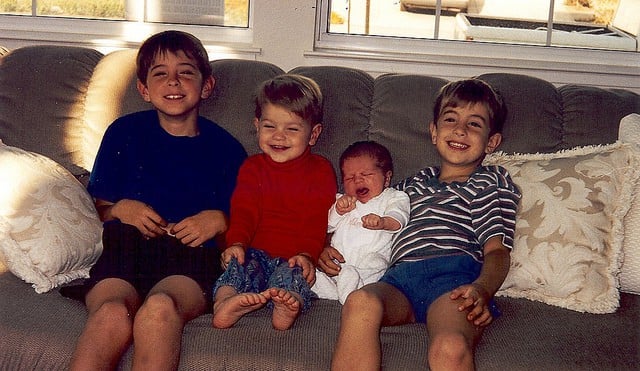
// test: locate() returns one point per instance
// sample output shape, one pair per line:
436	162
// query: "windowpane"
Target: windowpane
576	23
197	12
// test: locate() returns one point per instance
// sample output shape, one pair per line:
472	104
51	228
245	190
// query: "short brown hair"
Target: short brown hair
171	41
463	92
296	93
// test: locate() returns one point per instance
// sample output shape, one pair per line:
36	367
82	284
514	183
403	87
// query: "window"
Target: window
595	24
377	34
124	23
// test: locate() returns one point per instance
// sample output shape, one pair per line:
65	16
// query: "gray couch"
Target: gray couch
57	101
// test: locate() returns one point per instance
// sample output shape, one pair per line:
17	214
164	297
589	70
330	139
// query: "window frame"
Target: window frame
471	53
108	34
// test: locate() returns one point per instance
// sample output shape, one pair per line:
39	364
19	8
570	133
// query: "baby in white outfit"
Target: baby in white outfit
363	220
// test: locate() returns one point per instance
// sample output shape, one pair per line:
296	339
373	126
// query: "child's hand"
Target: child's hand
345	203
474	299
373	221
139	215
195	230
308	269
233	251
329	261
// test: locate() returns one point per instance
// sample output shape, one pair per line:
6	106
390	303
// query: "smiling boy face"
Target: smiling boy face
283	135
363	179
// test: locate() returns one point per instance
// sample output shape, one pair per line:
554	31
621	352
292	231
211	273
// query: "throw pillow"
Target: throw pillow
630	271
569	228
50	233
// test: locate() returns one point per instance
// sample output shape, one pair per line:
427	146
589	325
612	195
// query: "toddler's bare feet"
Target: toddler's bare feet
286	308
228	311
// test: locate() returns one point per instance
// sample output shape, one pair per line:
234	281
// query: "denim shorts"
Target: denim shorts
260	272
422	282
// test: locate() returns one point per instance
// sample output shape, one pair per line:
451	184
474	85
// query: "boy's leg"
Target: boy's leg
365	311
229	306
452	338
290	293
238	290
286	307
111	305
158	325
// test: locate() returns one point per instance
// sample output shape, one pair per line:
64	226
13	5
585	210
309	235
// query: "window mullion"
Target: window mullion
550	22
34	7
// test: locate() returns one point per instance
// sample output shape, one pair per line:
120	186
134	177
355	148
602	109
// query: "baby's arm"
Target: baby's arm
373	221
478	294
344	204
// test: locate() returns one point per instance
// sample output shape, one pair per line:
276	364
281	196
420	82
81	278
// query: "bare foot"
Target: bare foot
286	308
228	311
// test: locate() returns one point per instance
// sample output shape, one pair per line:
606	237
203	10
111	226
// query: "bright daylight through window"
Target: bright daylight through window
594	24
232	13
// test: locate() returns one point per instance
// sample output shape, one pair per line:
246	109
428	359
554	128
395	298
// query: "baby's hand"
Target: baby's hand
372	221
345	204
376	222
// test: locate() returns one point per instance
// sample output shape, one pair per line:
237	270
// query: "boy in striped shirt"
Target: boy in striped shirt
453	255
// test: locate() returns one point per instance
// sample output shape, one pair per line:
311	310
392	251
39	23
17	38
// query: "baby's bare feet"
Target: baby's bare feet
286	308
229	310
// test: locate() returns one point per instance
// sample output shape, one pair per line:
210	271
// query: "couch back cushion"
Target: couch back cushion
42	100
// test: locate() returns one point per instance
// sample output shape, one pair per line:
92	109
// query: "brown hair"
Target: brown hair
370	148
171	41
463	92
296	93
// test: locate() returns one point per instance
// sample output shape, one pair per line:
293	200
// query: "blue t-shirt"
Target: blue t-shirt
177	176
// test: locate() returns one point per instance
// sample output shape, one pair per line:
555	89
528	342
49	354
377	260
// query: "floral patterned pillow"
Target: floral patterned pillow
569	227
50	233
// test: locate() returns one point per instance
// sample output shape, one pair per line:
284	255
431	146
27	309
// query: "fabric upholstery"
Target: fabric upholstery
56	100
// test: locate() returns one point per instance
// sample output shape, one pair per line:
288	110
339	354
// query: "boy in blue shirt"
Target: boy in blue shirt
162	184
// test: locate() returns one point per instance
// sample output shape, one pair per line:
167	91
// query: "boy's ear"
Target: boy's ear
142	89
315	134
432	132
207	87
256	123
493	142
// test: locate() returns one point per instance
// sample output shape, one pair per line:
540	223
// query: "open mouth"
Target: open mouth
457	145
361	192
174	96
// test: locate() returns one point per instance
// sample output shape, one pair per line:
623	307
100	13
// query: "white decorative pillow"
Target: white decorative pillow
630	271
569	230
50	233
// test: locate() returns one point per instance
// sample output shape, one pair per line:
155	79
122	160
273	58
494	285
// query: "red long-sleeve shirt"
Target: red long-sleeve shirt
282	208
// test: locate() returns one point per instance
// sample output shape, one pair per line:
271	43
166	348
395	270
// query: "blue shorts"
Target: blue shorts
422	282
260	272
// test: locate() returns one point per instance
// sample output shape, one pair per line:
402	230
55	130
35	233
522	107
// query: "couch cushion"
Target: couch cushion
44	113
529	127
593	114
232	103
348	94
400	115
50	233
112	93
569	230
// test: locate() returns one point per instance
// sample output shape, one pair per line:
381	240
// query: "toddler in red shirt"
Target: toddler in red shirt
279	209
